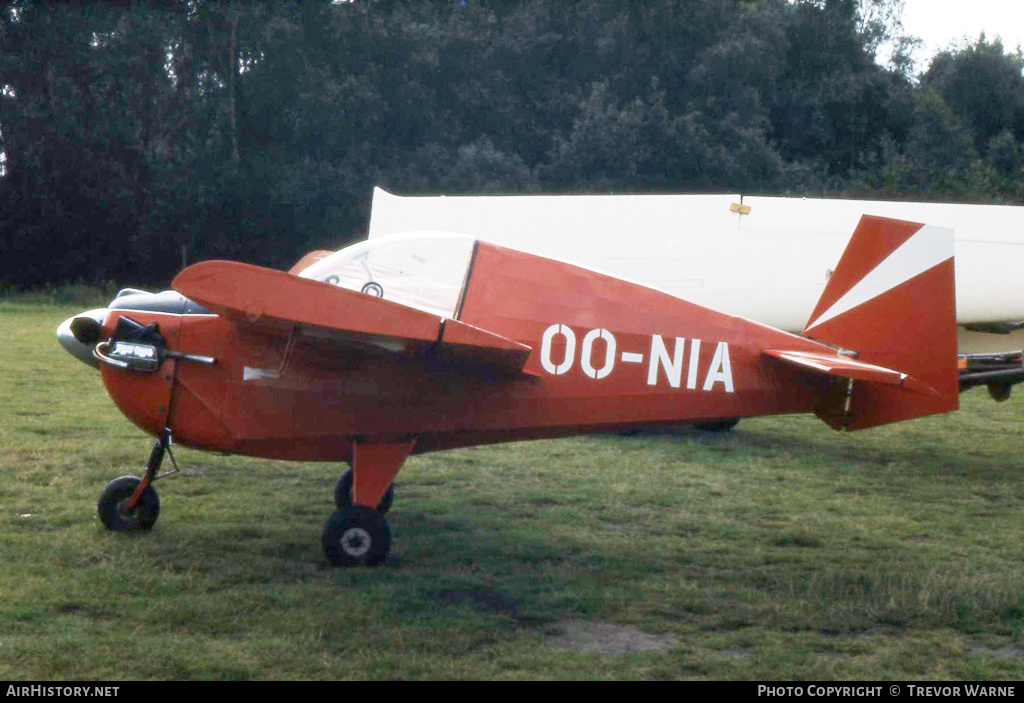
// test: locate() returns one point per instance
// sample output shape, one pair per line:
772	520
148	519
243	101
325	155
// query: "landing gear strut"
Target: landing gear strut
130	503
343	494
357	533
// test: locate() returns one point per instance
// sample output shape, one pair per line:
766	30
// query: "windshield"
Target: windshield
424	270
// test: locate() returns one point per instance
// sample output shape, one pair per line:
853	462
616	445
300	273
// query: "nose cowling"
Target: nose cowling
82	334
79	335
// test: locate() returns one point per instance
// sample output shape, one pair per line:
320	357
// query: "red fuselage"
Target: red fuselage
605	354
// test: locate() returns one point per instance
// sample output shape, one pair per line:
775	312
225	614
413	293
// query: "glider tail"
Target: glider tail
891	301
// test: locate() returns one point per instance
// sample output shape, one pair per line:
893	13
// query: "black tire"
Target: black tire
356	536
717	425
143	517
343	494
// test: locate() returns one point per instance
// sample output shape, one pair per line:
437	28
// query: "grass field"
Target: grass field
781	550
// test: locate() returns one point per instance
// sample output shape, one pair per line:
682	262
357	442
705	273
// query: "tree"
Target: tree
257	131
983	86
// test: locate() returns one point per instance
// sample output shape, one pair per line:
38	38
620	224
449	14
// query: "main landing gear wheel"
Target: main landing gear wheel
356	536
717	425
117	517
343	494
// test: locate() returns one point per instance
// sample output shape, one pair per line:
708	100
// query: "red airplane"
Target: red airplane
413	343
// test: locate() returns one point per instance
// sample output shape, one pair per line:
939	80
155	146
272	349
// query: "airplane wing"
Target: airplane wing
280	301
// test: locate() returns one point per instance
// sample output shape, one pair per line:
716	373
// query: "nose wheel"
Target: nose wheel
115	512
130	503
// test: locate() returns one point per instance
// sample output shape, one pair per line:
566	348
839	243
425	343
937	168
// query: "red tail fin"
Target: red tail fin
892	300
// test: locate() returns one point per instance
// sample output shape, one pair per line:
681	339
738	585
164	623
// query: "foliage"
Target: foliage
136	135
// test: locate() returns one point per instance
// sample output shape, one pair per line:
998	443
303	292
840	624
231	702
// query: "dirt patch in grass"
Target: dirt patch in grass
488	601
1005	652
606	638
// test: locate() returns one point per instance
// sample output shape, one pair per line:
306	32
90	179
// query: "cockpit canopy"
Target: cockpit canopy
423	270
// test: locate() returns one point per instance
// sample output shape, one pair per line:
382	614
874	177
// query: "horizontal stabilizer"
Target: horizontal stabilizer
280	301
845	367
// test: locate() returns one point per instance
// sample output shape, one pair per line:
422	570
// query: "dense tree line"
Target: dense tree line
132	133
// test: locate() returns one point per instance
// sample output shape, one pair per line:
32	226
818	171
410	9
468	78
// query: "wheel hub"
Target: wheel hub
124	511
356	541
